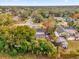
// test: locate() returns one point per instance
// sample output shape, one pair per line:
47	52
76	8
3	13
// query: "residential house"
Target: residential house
59	18
63	23
16	18
55	14
77	36
72	33
62	42
30	23
40	33
59	30
69	19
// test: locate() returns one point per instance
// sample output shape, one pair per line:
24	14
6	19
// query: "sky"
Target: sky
38	2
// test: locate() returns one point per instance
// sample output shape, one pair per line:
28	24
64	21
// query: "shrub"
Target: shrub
2	43
44	47
12	52
21	39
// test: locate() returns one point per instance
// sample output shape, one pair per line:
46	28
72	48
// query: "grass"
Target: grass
72	51
74	44
23	56
74	47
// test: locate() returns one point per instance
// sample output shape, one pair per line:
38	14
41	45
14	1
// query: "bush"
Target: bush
43	47
2	45
21	39
12	52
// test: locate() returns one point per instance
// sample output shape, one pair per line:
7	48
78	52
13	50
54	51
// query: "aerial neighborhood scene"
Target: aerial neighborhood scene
39	29
39	32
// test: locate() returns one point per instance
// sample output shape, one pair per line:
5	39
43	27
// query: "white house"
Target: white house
59	18
40	35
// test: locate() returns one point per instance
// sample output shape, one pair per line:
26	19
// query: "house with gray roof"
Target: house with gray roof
70	19
40	33
59	30
73	34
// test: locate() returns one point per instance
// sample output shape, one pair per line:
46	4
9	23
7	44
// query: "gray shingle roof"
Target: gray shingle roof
60	29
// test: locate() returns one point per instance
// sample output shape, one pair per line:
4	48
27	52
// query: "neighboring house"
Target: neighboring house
65	24
55	14
40	33
63	42
73	34
59	30
59	18
71	38
77	36
30	24
70	19
16	18
61	39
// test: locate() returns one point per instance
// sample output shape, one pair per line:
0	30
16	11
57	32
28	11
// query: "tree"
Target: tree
71	23
5	19
76	24
53	25
16	39
37	19
44	13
